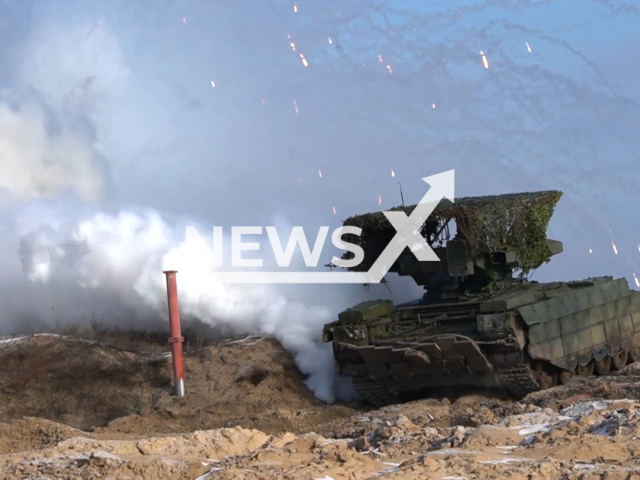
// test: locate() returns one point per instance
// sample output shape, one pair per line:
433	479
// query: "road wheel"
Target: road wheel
565	376
603	366
546	375
619	360
585	370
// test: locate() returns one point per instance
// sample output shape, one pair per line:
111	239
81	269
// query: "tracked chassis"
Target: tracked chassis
509	341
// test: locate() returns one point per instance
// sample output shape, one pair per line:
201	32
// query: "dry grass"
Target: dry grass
69	380
92	370
132	338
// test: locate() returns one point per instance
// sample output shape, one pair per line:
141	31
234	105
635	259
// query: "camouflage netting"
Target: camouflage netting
516	222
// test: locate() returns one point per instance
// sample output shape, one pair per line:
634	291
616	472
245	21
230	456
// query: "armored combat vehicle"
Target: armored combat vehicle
481	322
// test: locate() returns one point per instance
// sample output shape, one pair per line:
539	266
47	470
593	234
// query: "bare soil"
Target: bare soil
88	409
99	387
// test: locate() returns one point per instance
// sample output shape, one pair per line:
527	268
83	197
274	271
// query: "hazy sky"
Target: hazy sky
389	86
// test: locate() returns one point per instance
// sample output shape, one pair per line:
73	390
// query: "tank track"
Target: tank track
518	380
374	392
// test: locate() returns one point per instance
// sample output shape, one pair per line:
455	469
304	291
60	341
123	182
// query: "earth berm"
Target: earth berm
84	409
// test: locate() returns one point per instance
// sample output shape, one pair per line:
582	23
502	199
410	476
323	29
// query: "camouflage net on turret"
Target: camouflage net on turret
516	222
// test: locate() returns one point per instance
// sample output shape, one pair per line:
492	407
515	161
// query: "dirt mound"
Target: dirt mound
253	384
89	385
79	383
248	415
33	433
589	440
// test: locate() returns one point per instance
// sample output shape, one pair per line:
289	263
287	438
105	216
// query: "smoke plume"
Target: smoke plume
49	150
128	251
38	164
121	123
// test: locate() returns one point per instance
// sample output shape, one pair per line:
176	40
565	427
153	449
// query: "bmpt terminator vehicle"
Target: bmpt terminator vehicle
479	324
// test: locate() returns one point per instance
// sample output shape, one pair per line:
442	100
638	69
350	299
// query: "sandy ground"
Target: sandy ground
107	413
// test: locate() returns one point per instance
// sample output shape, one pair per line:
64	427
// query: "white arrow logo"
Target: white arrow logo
408	228
407	235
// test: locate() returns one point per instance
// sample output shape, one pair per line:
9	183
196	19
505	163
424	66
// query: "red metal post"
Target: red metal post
176	339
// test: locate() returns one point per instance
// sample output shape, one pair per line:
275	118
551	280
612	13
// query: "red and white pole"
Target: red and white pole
176	339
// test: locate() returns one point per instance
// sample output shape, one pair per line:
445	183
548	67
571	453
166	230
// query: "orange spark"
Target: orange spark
334	210
293	46
380	58
393	174
330	42
590	251
379	200
433	105
295	105
319	173
636	279
295	8
615	250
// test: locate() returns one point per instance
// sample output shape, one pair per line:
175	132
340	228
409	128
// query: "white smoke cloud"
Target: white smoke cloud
49	144
37	164
75	73
129	251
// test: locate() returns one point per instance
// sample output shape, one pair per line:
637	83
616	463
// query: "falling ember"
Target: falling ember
590	251
304	61
330	42
484	60
615	250
393	174
295	105
380	58
433	105
334	210
319	173
636	280
639	247
213	84
379	200
184	20
528	47
389	68
295	8
293	46
263	102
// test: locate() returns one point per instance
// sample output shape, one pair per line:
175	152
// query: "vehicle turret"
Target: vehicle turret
481	242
